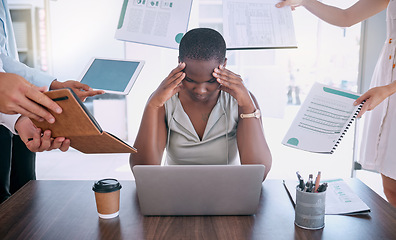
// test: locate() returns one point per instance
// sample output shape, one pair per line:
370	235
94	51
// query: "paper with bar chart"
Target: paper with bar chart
154	22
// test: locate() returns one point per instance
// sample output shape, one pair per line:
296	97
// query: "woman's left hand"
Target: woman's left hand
233	84
373	97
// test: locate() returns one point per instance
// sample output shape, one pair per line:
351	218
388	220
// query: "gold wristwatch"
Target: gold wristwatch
256	114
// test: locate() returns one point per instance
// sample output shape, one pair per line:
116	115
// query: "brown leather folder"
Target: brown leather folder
77	124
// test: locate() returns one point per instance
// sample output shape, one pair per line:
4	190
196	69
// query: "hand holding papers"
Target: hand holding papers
245	24
322	120
253	24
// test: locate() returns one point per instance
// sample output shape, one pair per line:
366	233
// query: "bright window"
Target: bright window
325	54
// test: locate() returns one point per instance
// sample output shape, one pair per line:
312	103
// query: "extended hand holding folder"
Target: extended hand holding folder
77	124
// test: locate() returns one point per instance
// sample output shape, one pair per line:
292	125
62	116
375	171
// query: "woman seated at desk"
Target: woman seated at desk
202	113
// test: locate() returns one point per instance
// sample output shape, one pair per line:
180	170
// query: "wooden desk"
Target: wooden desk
67	210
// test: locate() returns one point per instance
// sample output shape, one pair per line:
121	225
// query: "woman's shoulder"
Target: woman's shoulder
171	104
227	99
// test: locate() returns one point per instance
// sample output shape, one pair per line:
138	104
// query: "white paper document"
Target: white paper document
323	119
340	199
257	24
154	22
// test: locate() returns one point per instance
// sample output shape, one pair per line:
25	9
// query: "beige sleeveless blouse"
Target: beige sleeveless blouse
218	144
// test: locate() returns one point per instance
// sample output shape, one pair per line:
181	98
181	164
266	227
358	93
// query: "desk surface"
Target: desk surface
67	210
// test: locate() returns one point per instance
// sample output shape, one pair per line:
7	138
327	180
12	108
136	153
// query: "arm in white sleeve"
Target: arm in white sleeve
9	121
34	76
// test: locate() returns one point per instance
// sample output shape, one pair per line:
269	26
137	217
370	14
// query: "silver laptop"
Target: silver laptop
198	189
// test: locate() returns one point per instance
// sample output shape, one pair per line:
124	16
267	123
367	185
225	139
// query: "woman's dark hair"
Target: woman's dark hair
202	44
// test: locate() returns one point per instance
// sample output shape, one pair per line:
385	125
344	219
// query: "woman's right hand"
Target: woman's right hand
171	85
373	97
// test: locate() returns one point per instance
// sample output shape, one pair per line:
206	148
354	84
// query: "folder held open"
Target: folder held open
77	124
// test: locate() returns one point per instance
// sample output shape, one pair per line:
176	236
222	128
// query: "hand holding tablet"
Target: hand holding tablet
112	75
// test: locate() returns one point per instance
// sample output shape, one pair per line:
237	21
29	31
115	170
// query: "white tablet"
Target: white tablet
112	75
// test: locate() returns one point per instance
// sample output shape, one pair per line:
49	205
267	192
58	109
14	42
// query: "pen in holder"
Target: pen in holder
310	209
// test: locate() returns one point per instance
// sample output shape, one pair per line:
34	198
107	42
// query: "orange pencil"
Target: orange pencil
317	181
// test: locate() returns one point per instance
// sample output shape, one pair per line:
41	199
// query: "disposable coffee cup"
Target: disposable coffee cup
310	209
107	196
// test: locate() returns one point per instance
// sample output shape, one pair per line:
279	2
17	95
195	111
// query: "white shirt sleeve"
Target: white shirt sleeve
34	76
9	121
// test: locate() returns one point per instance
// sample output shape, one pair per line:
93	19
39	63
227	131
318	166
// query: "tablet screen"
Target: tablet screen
113	76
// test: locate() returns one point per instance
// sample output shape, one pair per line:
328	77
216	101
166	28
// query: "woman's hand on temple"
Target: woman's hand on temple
171	85
234	85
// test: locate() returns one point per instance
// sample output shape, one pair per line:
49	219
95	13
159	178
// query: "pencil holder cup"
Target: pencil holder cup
310	209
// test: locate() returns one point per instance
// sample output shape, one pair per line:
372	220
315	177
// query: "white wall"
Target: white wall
80	30
159	62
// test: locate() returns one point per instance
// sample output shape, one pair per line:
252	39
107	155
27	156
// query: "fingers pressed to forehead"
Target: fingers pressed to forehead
226	73
179	68
177	78
225	76
228	79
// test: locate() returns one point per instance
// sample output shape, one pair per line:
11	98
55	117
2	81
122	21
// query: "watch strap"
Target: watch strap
255	114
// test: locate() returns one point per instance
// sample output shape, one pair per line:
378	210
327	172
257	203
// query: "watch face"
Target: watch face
257	113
